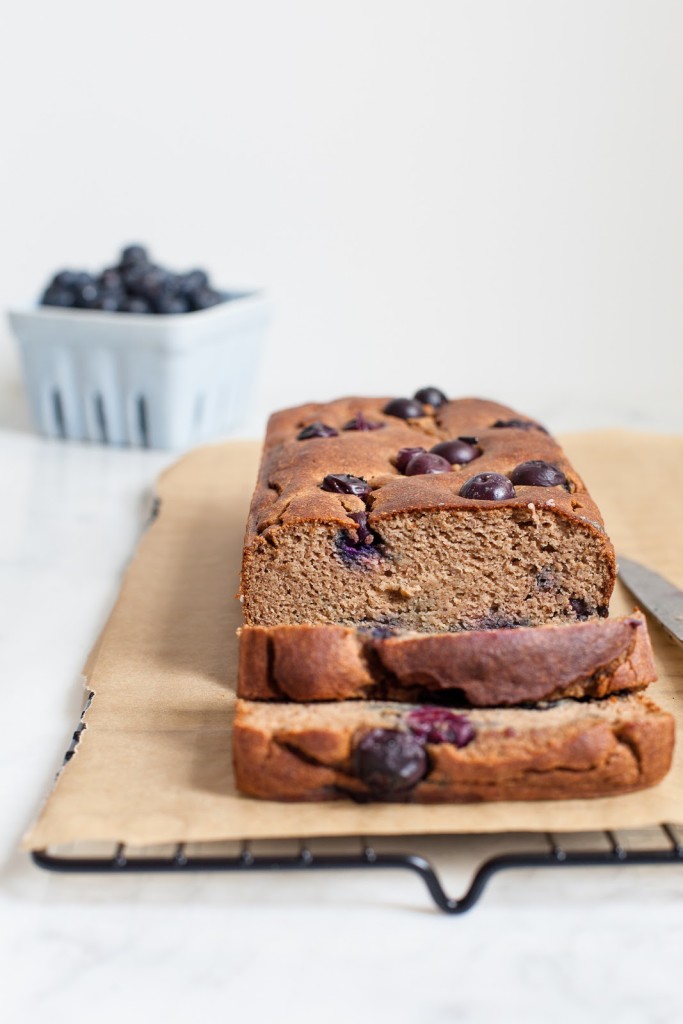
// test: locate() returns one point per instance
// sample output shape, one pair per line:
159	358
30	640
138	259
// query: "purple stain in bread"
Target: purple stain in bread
361	552
430	724
581	607
520	425
359	422
389	761
603	611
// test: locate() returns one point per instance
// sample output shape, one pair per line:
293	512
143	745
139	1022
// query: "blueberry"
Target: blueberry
520	425
439	725
110	302
193	281
580	607
359	422
404	408
152	283
487	487
537	473
111	280
134	254
86	295
205	298
344	483
389	761
457	452
431	396
426	462
171	305
57	296
405	455
135	304
316	429
65	279
365	535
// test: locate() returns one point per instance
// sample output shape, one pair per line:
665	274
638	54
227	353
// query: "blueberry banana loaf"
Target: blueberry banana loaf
484	668
423	754
422	514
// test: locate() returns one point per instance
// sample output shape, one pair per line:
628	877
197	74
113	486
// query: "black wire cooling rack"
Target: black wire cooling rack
180	861
663	845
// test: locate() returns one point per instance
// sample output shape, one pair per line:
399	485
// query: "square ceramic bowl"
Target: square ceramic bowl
151	381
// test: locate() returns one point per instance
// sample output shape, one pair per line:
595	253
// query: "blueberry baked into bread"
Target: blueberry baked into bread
490	668
425	587
400	752
429	516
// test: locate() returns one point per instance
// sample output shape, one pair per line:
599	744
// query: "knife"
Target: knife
659	596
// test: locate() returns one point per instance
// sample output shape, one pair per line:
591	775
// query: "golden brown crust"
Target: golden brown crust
570	751
288	493
288	488
487	668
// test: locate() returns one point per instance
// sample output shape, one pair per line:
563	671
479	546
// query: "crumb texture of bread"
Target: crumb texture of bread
437	562
568	750
485	668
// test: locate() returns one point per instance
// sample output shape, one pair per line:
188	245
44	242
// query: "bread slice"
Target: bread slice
381	751
491	668
412	551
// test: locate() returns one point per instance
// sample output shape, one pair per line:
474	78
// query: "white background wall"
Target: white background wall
484	195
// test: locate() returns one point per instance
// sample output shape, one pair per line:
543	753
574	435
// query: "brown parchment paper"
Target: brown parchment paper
154	764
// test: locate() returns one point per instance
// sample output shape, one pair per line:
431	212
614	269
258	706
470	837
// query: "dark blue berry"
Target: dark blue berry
426	462
344	483
135	304
133	254
110	280
439	725
171	305
487	487
389	761
404	408
457	452
364	533
359	422
520	425
316	429
537	473
86	295
580	607
405	455
205	298
56	296
431	396
193	281
66	279
110	302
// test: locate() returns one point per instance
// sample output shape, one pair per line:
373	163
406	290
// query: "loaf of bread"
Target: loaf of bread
399	752
356	520
484	668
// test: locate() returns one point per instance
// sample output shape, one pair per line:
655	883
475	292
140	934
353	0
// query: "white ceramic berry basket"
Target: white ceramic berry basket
149	381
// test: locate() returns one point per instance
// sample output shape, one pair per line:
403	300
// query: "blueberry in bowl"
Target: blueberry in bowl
138	354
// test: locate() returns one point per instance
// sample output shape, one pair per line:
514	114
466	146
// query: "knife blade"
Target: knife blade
658	595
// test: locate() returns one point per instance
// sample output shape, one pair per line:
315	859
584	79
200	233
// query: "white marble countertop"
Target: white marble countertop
542	945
